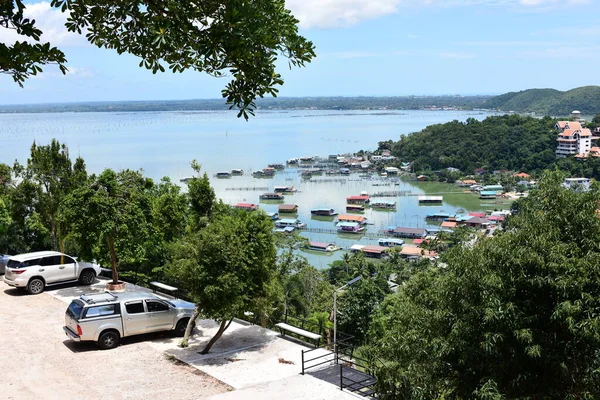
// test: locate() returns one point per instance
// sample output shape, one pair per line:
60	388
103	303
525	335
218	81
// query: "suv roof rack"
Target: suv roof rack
94	298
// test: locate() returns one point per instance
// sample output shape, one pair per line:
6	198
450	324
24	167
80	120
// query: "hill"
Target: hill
510	142
549	101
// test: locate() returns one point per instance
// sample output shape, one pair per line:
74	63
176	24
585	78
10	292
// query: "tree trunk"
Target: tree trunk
222	328
53	233
113	259
190	327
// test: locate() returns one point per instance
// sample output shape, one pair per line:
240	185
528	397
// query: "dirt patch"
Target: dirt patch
45	364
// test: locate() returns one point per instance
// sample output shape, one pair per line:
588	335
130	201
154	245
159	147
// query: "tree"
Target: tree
111	218
22	59
202	198
513	316
219	37
50	167
5	222
227	268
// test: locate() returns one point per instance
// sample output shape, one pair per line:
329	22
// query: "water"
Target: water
164	143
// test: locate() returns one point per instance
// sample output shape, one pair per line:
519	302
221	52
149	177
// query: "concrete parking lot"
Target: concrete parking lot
39	362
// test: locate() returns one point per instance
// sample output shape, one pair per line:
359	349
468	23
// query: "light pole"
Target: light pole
335	348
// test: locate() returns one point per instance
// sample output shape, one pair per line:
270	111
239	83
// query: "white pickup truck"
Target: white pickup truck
107	317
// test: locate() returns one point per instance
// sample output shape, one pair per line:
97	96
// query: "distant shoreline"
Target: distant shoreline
399	103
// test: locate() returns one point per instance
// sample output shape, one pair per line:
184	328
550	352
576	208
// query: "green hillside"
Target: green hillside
549	101
509	142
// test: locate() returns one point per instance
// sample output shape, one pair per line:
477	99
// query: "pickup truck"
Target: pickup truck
107	317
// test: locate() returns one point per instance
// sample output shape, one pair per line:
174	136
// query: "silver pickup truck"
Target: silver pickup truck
107	317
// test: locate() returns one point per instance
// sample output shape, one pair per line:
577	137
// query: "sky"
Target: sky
364	48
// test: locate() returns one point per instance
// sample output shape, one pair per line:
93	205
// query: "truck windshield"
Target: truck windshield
75	309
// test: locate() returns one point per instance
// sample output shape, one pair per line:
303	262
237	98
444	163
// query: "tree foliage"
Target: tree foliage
22	59
111	217
514	316
241	39
228	267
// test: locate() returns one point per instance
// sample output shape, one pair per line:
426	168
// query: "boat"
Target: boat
327	212
349	227
355	208
269	171
237	171
292	161
389	205
247	206
390	242
307	159
258	174
273	215
277	166
223	174
271	196
185	180
362	199
284	189
289	222
441	216
319	246
430	199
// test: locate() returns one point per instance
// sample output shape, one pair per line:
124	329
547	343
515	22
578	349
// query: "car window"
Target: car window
155	306
14	264
75	309
100	311
49	261
29	263
135	307
67	260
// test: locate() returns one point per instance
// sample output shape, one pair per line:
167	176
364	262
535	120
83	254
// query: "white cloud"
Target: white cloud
51	22
80	72
339	13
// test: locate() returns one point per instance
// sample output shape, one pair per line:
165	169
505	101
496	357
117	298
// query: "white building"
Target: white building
572	139
579	184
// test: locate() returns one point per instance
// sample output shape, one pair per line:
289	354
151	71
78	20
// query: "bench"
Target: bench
301	332
170	289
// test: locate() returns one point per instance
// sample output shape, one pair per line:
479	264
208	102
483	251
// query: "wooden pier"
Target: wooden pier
370	235
250	188
393	193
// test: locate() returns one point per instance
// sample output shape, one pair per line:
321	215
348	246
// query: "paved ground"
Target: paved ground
254	360
39	362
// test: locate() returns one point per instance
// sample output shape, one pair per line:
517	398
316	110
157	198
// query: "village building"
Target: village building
573	139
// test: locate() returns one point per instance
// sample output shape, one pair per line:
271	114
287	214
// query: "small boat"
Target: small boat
289	222
273	215
258	174
319	246
277	166
388	205
355	208
223	174
237	171
271	196
269	171
292	161
307	159
327	212
185	180
284	189
349	227
390	242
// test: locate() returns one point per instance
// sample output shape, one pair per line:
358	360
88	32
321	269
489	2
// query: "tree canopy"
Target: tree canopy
514	316
240	39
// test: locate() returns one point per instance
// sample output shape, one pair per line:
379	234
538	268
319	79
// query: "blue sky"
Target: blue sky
364	47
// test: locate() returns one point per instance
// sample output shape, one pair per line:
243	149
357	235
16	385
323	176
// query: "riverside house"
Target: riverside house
247	206
352	218
357	199
288	208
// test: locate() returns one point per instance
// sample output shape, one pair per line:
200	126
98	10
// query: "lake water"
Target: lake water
164	143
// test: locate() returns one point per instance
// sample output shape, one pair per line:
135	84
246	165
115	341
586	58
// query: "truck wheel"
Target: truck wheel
181	326
108	340
35	286
87	277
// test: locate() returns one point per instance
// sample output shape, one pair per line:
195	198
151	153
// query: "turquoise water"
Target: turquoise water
164	143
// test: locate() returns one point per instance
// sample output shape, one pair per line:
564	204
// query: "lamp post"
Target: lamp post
335	347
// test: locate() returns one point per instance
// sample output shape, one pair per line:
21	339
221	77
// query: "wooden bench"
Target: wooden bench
170	289
301	332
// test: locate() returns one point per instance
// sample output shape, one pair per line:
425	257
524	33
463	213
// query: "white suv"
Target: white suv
35	271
